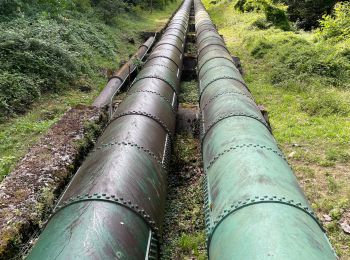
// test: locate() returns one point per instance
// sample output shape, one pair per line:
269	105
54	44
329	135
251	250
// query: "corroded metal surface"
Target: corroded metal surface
255	208
119	76
113	208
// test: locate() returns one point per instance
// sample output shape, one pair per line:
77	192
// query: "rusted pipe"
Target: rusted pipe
120	76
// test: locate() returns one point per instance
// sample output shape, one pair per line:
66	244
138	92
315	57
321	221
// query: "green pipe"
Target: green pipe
113	207
255	208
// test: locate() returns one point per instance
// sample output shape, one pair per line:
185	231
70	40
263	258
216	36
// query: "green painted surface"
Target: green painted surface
255	207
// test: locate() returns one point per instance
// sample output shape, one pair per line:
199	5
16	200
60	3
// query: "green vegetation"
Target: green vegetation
307	13
184	235
50	46
93	42
303	80
274	14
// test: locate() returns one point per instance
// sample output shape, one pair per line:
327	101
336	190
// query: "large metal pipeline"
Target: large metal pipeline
113	207
120	76
255	208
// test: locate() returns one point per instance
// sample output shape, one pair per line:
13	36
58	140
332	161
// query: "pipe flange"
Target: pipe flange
157	77
142	113
139	147
155	93
224	116
217	57
167	43
115	77
258	200
227	93
110	199
162	56
237	147
223	66
223	77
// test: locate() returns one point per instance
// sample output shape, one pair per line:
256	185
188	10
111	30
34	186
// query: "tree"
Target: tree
307	13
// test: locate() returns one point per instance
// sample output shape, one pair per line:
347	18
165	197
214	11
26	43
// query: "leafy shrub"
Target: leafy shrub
17	91
44	55
307	13
261	23
336	27
109	8
273	14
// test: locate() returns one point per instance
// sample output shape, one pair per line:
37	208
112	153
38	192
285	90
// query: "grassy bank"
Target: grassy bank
303	81
18	133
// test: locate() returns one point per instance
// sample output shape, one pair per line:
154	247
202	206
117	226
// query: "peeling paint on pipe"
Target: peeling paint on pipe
120	76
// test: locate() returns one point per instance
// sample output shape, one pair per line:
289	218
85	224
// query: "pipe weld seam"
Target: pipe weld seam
115	77
259	200
222	66
227	93
111	199
155	93
220	78
207	29
225	116
157	77
237	147
173	22
208	37
142	113
168	43
139	147
160	65
199	51
213	58
177	36
162	56
162	48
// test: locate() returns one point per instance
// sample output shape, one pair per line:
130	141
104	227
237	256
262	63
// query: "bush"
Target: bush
273	14
336	27
17	92
44	55
307	13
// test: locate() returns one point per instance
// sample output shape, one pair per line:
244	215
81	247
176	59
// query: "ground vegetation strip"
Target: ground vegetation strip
302	79
26	110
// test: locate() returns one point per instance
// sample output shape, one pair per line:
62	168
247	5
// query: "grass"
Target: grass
184	236
21	132
308	106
